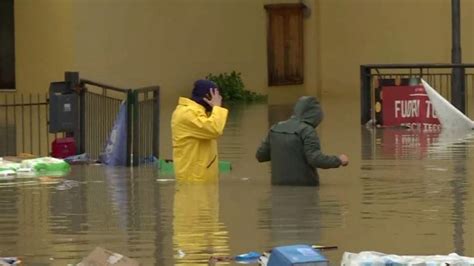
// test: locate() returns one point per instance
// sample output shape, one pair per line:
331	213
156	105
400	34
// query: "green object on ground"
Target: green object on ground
166	166
7	165
225	166
7	168
47	165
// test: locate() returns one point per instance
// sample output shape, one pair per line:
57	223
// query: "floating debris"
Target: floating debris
67	184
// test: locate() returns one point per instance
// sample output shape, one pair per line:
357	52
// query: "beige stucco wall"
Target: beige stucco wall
170	43
174	42
392	31
132	44
43	43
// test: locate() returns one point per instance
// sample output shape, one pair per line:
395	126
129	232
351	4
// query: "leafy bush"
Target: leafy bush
232	88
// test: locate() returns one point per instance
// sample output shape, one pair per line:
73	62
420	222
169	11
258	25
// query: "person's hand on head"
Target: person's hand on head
344	159
215	98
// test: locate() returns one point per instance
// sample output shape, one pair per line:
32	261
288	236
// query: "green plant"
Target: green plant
232	87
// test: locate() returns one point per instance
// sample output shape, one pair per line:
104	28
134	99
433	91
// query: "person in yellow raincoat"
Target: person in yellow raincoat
196	124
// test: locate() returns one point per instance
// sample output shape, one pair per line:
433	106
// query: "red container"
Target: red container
63	147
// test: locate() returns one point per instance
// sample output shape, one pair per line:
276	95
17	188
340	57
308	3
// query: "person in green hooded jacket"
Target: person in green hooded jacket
294	149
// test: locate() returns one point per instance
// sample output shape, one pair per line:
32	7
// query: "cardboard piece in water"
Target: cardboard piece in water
102	257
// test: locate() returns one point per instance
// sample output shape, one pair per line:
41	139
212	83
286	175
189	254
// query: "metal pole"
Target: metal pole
457	80
73	81
156	123
82	119
72	78
129	126
365	104
136	129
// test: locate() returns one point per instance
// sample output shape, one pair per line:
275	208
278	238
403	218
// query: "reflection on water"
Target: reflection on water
397	143
419	178
197	232
404	192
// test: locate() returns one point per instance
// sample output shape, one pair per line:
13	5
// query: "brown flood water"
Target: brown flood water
404	192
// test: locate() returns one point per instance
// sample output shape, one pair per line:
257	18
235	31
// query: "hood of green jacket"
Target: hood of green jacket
308	110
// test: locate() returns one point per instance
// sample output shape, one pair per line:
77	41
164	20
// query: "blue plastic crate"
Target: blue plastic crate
297	255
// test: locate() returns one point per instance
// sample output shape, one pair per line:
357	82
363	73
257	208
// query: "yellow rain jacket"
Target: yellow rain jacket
194	135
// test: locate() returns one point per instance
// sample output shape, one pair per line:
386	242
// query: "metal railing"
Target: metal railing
24	124
100	104
146	133
439	76
24	120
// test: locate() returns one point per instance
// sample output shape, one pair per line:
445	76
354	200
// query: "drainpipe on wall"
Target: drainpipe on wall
457	79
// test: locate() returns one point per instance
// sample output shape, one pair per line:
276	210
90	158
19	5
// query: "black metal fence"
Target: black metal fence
100	104
24	121
99	107
24	124
439	76
146	133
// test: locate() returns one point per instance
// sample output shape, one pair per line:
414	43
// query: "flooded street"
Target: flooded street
404	192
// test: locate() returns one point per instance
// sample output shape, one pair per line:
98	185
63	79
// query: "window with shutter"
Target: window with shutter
285	44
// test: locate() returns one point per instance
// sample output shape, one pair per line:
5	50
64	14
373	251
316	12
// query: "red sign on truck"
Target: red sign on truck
408	106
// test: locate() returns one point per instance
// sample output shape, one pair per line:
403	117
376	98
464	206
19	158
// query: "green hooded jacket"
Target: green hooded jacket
294	149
